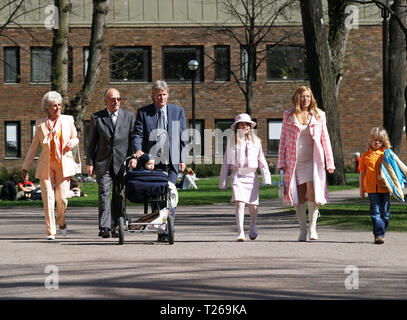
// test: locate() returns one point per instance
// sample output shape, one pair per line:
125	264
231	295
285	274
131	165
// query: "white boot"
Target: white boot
301	214
312	219
239	221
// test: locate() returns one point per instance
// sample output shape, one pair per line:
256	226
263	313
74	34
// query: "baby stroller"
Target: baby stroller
150	188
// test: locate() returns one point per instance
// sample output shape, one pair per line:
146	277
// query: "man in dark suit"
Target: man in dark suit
109	143
160	130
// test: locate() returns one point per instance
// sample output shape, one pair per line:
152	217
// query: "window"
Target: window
285	62
222	131
85	60
70	65
175	63
86	127
11	64
41	64
222	63
199	127
244	64
273	136
130	64
32	136
12	138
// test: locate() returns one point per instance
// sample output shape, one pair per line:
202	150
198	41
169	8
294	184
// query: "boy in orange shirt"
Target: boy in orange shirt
371	183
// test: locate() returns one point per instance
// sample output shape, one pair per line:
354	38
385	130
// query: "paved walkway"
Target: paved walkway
204	263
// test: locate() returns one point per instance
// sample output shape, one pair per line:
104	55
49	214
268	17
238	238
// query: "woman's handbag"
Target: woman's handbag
281	185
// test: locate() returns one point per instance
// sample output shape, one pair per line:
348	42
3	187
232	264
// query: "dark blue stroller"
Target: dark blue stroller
152	189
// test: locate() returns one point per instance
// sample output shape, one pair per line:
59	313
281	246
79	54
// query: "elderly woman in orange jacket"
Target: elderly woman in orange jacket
56	134
304	148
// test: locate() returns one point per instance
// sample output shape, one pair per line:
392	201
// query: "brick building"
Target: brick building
144	40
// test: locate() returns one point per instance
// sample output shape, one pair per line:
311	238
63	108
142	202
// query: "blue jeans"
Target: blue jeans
380	212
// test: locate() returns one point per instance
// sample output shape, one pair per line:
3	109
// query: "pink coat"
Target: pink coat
287	156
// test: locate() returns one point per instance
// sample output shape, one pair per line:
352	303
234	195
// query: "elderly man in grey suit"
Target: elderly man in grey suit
109	143
159	131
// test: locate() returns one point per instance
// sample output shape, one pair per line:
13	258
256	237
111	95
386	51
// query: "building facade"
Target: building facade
149	40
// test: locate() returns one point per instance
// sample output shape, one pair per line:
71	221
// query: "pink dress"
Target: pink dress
243	161
305	166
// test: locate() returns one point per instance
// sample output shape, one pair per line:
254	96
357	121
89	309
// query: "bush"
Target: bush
207	170
6	175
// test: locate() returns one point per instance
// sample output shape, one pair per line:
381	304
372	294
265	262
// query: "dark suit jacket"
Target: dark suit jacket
105	144
146	122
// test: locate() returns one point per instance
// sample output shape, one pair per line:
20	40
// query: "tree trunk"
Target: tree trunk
80	101
338	37
321	77
59	51
393	113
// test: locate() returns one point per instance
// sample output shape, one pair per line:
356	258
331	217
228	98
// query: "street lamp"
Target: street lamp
385	53
193	65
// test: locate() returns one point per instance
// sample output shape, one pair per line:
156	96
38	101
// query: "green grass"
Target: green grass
347	216
357	216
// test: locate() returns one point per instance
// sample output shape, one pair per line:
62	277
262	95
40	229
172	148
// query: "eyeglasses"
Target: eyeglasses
115	99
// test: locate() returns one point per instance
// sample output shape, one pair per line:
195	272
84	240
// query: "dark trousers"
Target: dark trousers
109	210
380	212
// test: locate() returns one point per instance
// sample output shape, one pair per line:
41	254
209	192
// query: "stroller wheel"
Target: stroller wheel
121	230
170	229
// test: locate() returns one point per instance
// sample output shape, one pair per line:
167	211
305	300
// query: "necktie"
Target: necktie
161	120
161	134
113	119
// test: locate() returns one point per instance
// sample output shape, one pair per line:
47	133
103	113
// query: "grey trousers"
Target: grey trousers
109	209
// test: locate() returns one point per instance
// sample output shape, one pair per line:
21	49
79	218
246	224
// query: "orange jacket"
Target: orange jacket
370	163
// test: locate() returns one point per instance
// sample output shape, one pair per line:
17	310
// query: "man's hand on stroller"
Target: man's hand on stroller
182	167
133	163
138	154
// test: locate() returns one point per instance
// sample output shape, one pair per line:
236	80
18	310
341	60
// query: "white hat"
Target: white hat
243	117
357	154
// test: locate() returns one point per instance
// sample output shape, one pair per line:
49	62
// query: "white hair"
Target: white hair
160	85
50	96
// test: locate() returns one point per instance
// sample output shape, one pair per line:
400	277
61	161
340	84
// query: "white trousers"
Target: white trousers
56	187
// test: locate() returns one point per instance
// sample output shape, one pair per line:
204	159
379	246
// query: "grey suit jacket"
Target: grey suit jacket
106	144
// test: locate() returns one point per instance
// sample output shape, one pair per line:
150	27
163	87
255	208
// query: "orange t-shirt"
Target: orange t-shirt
53	146
370	162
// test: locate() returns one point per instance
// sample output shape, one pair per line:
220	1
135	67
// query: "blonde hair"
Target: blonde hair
252	134
295	99
379	134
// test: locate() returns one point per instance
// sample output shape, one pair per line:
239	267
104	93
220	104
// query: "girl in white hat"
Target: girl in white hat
243	156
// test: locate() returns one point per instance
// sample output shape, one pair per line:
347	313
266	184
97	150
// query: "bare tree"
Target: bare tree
338	37
77	105
59	51
256	19
321	77
394	52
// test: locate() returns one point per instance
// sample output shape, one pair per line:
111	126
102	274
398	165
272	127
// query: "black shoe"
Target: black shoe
115	233
162	237
104	233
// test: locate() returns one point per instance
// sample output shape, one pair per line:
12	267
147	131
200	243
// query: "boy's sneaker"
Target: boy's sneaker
378	239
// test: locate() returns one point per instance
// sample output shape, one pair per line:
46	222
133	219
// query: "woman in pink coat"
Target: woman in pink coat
304	149
243	156
56	134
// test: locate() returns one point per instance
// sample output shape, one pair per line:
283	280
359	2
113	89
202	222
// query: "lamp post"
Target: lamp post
193	65
385	54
